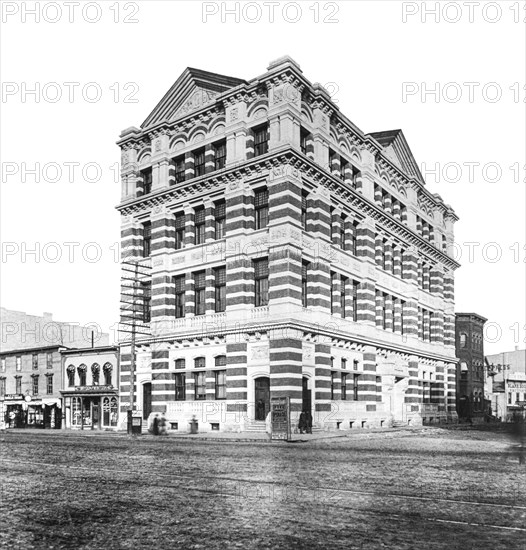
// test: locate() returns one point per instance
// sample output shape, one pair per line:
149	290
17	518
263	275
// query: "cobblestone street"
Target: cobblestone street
397	489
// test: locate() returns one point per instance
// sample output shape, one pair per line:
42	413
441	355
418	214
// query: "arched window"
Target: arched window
82	374
463	339
95	374
107	373
71	375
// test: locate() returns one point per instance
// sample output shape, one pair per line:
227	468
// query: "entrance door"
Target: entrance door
146	400
262	397
306	396
95	415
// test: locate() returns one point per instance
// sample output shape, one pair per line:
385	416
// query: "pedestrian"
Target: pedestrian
302	424
308	420
155	424
162	425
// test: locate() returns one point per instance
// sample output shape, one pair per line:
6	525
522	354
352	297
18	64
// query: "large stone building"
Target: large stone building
284	253
469	342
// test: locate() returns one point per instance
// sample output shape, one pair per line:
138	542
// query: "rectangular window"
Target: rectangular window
304	211
180	364
261	208
304	283
199	225
49	360
343	240
333	275
180	386
19	363
200	386
354	299
3	364
333	385
180	284
2	387
147	179
355	387
304	138
261	282
220	219
343	167
199	162
344	282
378	384
344	386
220	384
34	361
146	239
200	291
179	169
18	384
260	140
219	155
220	289
35	384
179	230
146	296
402	309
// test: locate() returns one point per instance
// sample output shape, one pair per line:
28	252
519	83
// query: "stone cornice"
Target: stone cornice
264	326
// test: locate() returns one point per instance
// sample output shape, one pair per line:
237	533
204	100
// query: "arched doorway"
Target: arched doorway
146	400
262	397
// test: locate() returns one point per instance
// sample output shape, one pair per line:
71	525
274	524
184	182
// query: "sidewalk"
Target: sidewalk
260	437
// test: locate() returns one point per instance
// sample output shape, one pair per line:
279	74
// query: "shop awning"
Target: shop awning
50	402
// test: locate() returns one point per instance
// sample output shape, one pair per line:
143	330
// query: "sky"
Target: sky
452	79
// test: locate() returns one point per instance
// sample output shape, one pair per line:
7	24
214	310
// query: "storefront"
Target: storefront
92	408
24	411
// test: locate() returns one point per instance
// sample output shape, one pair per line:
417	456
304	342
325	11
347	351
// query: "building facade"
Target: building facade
284	253
469	342
506	388
90	379
30	384
20	330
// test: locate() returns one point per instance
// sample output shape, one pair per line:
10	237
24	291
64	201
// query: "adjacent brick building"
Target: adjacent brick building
284	252
469	340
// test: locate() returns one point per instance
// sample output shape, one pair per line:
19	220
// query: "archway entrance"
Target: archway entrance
146	400
262	397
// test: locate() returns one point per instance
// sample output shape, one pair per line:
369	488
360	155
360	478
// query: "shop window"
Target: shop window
110	411
76	412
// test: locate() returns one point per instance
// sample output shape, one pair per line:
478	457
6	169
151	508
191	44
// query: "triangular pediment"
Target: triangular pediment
397	150
191	91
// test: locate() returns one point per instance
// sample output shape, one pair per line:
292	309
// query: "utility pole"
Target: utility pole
134	316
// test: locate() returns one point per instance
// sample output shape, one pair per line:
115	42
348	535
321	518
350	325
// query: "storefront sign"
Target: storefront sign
13	397
280	415
94	388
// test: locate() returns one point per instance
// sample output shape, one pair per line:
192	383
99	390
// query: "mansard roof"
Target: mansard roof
398	151
193	89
